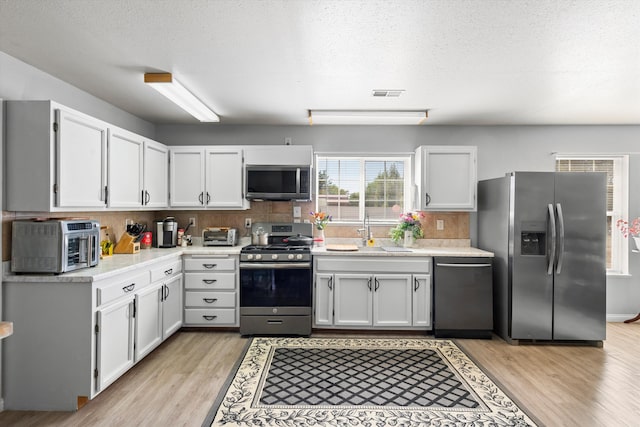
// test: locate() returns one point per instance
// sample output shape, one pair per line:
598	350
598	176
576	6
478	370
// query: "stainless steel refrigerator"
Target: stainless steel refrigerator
548	233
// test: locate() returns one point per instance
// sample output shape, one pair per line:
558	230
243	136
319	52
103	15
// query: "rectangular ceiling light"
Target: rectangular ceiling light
178	94
366	117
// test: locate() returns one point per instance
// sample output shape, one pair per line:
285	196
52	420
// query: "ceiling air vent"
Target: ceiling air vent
388	93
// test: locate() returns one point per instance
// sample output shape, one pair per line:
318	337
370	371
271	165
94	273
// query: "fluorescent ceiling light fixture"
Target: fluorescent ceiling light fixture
179	95
366	117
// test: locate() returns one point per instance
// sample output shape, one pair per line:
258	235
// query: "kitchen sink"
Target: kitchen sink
384	249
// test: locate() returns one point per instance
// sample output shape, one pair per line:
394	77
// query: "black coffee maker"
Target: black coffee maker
166	233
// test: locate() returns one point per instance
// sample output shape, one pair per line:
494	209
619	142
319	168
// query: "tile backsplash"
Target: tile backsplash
456	224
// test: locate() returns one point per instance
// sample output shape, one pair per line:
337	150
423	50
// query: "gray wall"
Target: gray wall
20	81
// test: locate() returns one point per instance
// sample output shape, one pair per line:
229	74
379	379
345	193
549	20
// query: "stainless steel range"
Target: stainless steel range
276	281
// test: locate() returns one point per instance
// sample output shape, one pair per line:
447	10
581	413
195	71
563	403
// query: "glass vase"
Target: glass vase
318	238
409	240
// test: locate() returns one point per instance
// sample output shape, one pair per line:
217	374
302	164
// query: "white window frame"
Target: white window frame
407	188
619	244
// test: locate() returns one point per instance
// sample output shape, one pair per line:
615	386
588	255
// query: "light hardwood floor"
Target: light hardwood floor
559	385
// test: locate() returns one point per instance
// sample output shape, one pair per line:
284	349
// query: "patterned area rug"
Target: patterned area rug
360	382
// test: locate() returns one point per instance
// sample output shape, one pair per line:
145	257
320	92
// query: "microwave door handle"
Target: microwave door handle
297	180
88	249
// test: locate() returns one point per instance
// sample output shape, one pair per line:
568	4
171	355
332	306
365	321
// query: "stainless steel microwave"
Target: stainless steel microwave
270	182
54	245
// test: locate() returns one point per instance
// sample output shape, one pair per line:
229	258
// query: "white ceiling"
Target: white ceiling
268	62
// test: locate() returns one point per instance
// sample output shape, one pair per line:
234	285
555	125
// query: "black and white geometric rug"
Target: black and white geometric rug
360	382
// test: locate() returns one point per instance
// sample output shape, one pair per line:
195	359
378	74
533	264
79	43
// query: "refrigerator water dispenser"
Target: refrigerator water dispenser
532	243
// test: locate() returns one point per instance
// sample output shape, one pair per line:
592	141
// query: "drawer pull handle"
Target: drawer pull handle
129	288
208	317
209	281
169	271
209	266
209	300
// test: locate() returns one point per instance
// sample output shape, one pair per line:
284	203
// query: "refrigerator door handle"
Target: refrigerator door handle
560	238
552	254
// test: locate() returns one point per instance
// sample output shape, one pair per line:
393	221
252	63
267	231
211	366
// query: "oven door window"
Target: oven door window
275	287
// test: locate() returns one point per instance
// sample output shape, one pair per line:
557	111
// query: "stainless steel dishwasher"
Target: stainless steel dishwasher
462	297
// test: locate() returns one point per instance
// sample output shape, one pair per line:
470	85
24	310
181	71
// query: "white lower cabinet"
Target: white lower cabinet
211	290
372	292
148	319
115	341
172	307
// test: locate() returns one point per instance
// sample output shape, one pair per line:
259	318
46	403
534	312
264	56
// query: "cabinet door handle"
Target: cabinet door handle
129	288
209	300
209	266
147	198
208	197
168	272
166	288
416	284
427	199
209	281
377	285
330	283
369	284
208	317
200	198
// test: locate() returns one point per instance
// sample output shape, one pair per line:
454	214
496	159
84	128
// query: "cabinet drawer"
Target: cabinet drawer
166	270
209	299
368	264
122	286
210	281
212	316
209	264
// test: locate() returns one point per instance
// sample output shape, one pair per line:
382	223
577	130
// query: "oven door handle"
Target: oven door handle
274	265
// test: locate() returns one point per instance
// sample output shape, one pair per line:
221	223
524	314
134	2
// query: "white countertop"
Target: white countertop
121	263
421	251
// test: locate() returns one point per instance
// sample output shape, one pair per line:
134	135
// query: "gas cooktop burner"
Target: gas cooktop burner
276	247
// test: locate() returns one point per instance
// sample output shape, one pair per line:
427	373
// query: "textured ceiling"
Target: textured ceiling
268	62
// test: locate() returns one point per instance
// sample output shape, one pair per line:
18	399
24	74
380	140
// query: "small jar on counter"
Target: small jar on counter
180	235
145	243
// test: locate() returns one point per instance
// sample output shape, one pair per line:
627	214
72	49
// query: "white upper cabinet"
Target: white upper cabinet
81	143
224	178
207	177
186	177
55	158
59	159
283	155
156	175
125	169
446	178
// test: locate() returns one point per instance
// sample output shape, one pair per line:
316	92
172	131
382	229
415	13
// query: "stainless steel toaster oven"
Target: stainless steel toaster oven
54	245
219	236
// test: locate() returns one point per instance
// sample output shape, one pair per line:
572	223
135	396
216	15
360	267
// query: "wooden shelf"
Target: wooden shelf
6	329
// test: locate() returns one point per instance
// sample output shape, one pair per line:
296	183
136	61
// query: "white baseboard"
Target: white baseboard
620	317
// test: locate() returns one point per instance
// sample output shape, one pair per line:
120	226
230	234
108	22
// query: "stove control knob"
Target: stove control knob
291	256
299	256
274	256
258	256
250	256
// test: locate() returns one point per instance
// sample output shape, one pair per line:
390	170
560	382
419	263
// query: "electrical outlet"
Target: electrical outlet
440	224
127	222
192	221
297	212
247	223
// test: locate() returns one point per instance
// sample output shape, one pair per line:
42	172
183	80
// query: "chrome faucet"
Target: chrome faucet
365	231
